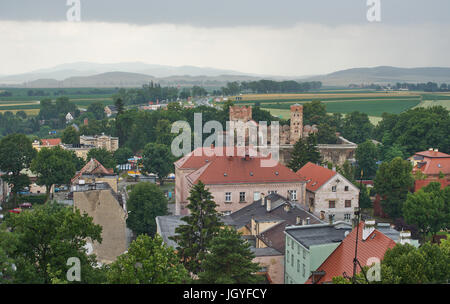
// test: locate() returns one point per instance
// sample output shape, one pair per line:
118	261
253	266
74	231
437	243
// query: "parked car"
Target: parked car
26	205
16	210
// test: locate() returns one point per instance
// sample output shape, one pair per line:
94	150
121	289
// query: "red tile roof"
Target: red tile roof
433	166
341	260
315	175
50	142
238	169
93	167
433	154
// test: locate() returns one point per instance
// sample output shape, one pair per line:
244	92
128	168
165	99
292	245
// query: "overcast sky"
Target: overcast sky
280	37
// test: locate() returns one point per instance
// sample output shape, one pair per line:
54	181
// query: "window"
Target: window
298	249
292	244
332	204
347	216
293	194
242	196
256	196
292	260
272	191
304	270
228	196
287	256
348	203
333	188
346	188
298	265
304	254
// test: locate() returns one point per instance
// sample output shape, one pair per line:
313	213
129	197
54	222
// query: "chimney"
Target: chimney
298	221
269	205
430	149
331	218
405	237
436	150
369	227
287	207
262	199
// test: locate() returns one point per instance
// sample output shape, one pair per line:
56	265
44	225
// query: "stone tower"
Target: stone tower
296	123
238	113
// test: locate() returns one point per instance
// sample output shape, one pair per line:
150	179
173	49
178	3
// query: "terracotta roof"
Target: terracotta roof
433	166
93	167
238	169
315	175
341	260
433	154
50	142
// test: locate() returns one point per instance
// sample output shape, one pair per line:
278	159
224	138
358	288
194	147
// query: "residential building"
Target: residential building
433	165
234	181
328	194
110	110
99	201
373	243
262	224
308	246
101	141
80	150
46	143
95	172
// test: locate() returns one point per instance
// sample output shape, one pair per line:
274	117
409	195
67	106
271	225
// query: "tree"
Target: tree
97	109
148	261
392	182
348	171
43	239
305	151
202	225
16	154
158	159
405	264
120	106
357	127
326	134
103	156
122	155
428	209
70	136
314	112
53	166
229	260
366	155
146	202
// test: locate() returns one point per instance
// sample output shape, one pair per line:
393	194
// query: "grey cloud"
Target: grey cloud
230	13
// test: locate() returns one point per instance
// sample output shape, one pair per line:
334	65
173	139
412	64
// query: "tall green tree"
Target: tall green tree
146	202
326	134
158	159
122	155
305	151
70	136
98	109
40	242
16	154
202	225
428	209
148	261
357	127
120	106
393	182
366	156
53	166
229	260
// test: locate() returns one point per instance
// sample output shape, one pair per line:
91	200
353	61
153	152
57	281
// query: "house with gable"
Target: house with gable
328	194
234	181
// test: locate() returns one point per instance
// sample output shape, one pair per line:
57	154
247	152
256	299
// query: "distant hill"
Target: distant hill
384	75
125	79
135	74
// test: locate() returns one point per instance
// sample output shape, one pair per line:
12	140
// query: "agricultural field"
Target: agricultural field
373	103
28	100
